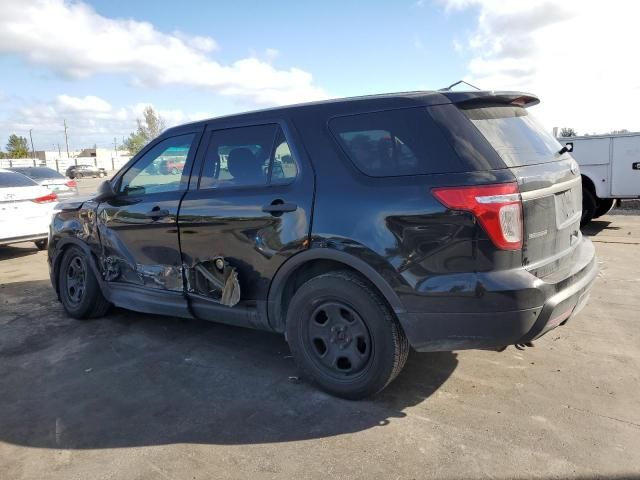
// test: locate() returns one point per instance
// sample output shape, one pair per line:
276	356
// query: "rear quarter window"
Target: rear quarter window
395	143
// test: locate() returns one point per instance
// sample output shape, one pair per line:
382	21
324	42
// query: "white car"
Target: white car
25	210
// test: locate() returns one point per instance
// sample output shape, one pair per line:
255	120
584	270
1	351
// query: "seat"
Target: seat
245	167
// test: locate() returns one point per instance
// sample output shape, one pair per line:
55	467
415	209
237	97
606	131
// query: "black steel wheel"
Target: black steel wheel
343	335
337	339
78	289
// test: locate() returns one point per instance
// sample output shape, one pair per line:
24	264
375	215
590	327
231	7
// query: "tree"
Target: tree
149	128
568	132
17	147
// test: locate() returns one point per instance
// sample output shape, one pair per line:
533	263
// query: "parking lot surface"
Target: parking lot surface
136	396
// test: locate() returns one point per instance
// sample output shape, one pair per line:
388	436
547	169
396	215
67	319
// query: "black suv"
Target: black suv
81	171
356	227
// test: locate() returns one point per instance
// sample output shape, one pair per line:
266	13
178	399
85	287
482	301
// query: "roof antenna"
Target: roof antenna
457	83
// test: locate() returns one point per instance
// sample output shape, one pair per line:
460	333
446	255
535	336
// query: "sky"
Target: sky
97	64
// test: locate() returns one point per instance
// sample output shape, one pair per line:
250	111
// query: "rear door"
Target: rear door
249	211
625	166
138	228
549	183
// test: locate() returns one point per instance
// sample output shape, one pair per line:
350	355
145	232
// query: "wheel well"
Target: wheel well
307	271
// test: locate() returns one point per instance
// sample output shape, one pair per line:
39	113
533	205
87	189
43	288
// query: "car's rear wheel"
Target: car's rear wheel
589	206
344	336
78	287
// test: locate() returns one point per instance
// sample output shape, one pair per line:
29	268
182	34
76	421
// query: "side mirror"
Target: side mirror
569	146
105	191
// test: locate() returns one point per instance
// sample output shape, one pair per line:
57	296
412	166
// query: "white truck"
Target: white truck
610	168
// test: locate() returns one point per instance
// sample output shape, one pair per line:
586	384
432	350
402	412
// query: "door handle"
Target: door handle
279	207
157	212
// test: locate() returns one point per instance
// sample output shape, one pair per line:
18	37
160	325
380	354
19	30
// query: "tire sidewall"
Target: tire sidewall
375	374
81	309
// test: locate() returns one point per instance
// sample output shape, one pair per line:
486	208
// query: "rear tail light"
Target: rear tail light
71	184
52	197
498	208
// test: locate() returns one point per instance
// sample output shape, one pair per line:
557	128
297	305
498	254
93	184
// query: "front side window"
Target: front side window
159	169
247	156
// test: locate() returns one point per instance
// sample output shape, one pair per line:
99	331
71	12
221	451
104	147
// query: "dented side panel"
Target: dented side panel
139	249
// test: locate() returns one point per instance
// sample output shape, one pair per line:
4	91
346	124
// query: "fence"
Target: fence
61	164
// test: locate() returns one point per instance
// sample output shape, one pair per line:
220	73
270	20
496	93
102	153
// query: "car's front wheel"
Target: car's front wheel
79	289
41	244
344	336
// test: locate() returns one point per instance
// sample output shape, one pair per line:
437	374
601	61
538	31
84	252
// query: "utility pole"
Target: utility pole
66	140
115	149
33	152
58	159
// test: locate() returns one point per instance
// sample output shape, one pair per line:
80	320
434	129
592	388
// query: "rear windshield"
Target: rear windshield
515	135
11	179
396	142
39	173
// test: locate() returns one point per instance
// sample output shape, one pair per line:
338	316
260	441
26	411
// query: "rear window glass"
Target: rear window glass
39	173
396	142
515	134
11	179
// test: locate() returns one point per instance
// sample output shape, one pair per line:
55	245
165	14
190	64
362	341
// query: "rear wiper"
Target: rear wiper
567	148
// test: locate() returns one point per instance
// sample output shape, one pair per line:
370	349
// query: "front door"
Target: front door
248	213
138	228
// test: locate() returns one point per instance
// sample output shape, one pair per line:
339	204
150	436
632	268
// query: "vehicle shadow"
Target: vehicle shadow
134	380
9	251
594	227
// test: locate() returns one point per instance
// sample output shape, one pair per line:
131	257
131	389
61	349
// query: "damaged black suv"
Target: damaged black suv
357	227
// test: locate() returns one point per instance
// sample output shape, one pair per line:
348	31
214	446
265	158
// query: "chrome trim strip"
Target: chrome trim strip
506	198
546	191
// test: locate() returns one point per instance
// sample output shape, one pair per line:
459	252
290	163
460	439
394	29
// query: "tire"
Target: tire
604	206
78	288
42	244
174	171
589	206
344	337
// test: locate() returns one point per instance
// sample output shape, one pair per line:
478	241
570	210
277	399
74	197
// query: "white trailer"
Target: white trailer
610	167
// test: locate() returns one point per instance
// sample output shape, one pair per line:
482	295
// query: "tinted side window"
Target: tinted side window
284	167
247	156
395	142
159	169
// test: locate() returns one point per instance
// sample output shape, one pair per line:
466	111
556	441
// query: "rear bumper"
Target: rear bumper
561	301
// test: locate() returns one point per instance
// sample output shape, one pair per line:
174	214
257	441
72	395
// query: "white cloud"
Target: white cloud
578	56
73	40
89	119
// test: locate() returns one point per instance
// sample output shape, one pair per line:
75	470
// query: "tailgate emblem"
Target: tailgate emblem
537	234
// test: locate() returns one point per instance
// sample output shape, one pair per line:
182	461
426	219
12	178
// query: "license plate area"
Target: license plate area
568	207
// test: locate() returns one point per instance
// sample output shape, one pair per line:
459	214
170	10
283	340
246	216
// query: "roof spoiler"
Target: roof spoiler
485	98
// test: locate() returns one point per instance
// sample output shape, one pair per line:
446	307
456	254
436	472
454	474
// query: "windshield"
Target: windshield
515	134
